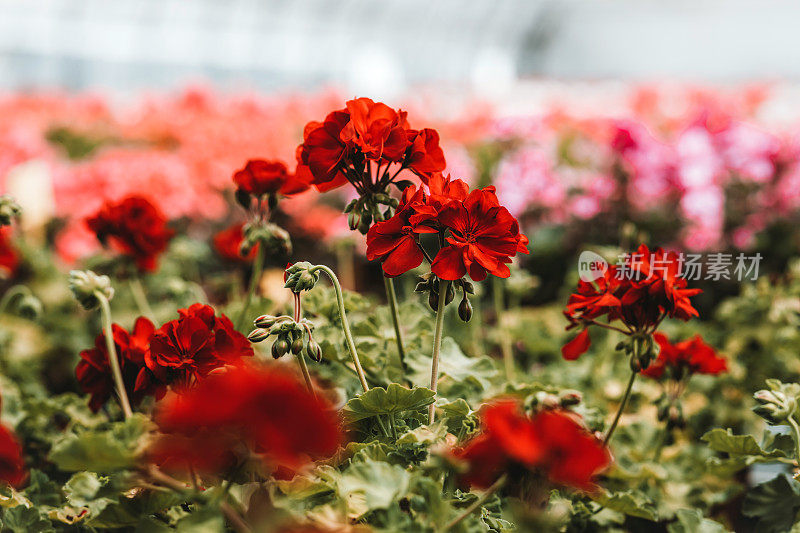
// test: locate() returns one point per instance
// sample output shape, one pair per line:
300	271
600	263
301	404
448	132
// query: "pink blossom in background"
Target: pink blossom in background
526	179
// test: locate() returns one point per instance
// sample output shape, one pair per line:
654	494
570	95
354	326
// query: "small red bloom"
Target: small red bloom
484	237
685	358
9	258
376	130
193	345
394	241
265	409
551	442
259	177
134	227
228	244
323	150
425	157
12	463
93	371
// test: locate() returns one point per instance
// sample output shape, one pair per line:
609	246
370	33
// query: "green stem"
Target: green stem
113	358
622	405
505	342
345	324
477	504
13	292
796	433
255	277
437	344
140	299
300	358
392	426
391	295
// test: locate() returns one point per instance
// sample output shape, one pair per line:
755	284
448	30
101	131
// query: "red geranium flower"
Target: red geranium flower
94	371
640	293
12	463
323	150
484	236
394	241
425	157
259	177
685	358
228	244
553	443
265	409
376	130
133	227
9	258
194	345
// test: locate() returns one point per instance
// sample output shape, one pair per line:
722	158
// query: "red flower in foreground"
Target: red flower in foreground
193	345
12	464
640	293
228	244
484	237
685	358
9	258
259	177
264	409
134	227
551	442
94	371
394	241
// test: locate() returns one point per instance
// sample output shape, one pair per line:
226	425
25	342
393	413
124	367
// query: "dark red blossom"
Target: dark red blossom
551	443
133	227
228	244
260	177
484	237
12	463
194	345
9	258
394	241
685	358
425	157
323	151
93	371
261	409
642	291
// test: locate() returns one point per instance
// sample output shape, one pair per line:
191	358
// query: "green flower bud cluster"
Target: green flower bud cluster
363	211
9	210
778	403
549	400
274	239
86	285
430	284
300	277
641	349
291	336
670	411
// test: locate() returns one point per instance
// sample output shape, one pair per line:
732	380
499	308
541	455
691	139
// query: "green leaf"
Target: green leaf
205	520
393	399
103	451
693	521
630	503
23	519
87	489
723	440
371	485
775	503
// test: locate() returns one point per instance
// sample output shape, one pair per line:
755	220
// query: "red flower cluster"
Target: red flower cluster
640	293
9	258
479	235
94	371
342	147
228	244
551	442
265	409
193	345
685	358
133	227
259	178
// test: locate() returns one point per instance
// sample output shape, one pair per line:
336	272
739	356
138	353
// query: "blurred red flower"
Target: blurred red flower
193	345
9	258
685	358
12	463
265	409
228	242
134	227
551	442
259	177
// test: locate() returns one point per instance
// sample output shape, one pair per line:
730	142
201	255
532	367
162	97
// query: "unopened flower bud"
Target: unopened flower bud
297	346
314	350
465	309
86	285
546	400
279	348
774	406
265	321
300	277
450	294
258	335
9	210
350	206
352	220
433	300
29	307
568	398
